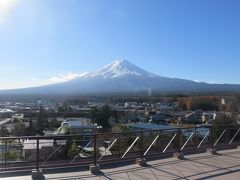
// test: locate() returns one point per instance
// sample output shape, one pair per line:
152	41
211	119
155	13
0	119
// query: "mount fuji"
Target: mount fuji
122	76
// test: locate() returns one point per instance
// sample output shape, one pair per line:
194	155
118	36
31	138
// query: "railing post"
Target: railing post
195	137
119	145
211	148
37	155
141	161
66	150
95	150
37	173
2	156
94	169
227	135
179	141
179	154
210	138
159	142
141	145
5	157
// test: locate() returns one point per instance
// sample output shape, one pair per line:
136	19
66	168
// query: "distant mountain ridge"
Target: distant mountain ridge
123	76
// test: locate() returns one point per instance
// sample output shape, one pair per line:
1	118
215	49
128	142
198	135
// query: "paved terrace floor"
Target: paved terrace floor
199	166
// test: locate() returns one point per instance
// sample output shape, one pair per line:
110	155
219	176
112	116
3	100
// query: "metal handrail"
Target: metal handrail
113	133
97	138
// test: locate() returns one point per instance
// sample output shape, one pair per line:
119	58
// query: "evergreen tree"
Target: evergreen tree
3	131
42	120
103	115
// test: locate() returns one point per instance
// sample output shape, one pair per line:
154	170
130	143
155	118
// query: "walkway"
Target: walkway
200	166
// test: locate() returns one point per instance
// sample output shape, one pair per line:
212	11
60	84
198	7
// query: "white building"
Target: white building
130	104
78	126
6	113
208	117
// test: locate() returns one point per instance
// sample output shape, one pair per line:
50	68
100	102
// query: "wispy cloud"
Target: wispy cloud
36	81
209	82
64	77
6	6
197	81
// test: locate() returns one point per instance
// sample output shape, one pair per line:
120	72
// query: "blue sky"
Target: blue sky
44	41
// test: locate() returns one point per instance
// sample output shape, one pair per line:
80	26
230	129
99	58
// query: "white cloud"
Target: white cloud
215	82
64	77
197	81
6	6
36	81
209	81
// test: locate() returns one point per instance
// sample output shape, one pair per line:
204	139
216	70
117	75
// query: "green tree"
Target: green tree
42	120
115	115
232	107
223	120
29	131
13	156
19	129
73	150
93	114
120	129
103	115
3	131
64	109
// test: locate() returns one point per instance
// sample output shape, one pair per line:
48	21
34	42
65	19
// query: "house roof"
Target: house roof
32	144
149	126
4	110
84	123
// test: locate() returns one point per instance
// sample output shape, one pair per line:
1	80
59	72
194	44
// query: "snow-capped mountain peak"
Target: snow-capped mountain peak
120	68
122	76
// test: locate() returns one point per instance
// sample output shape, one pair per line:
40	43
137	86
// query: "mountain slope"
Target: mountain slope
121	68
123	76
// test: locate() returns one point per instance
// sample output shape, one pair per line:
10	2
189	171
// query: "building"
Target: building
46	147
130	104
159	118
148	126
193	117
208	117
165	107
78	126
6	113
18	116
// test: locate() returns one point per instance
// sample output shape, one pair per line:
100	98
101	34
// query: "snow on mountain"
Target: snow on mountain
120	68
122	76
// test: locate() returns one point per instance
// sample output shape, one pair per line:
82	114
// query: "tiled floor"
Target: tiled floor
201	166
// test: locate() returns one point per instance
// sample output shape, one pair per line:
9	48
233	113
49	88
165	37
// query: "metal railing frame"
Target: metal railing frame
210	137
